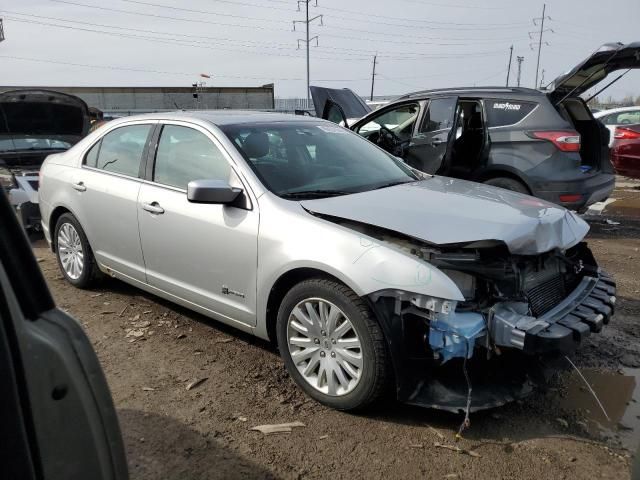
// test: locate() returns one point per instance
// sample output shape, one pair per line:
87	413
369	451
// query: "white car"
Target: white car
618	116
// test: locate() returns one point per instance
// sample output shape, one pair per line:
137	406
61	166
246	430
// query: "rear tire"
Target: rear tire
73	252
508	184
345	363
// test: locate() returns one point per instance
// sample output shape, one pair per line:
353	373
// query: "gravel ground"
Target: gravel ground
151	350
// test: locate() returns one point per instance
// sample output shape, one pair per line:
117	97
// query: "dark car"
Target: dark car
35	123
544	143
625	151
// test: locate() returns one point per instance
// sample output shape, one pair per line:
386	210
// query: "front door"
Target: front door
428	148
205	254
391	128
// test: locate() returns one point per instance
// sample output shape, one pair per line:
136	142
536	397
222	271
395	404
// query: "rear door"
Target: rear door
205	254
427	151
106	190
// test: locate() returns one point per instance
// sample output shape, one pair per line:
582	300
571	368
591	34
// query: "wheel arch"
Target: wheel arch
56	213
283	284
503	172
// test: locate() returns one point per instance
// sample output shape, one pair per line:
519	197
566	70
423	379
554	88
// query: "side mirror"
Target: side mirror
212	191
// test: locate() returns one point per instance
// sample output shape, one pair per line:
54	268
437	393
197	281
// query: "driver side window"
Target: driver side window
399	120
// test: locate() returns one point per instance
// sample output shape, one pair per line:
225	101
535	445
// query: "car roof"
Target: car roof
223	117
602	113
492	92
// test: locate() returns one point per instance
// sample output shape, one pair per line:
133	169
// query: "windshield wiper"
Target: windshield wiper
314	193
393	184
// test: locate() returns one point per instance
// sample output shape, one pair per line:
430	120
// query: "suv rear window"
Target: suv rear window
507	112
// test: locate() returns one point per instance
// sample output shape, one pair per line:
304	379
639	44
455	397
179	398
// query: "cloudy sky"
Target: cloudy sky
420	44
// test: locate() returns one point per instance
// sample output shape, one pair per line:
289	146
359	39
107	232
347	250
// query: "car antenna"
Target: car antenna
589	387
607	86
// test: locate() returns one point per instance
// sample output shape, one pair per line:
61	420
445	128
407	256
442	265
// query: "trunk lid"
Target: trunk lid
608	58
444	211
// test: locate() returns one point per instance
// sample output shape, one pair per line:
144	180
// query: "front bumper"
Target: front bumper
564	327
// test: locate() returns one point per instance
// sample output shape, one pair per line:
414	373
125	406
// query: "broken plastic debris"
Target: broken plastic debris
278	428
611	222
457	449
196	383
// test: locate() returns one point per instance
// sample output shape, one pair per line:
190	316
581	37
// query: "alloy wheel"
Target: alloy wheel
70	251
324	346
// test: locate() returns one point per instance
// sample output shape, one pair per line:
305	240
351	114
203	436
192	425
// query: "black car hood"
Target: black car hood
352	105
43	113
608	58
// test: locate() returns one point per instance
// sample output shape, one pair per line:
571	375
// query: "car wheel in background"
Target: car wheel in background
73	253
508	184
332	345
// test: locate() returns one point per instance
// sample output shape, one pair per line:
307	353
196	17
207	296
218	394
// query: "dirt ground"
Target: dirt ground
151	350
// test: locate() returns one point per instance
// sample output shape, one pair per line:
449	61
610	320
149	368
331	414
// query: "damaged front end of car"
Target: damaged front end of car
519	312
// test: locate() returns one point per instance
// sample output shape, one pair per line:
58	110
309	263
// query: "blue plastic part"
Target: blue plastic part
585	168
453	335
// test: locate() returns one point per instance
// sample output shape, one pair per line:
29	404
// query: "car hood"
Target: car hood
595	68
444	211
43	113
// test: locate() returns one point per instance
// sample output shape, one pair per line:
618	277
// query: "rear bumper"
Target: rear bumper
563	328
592	189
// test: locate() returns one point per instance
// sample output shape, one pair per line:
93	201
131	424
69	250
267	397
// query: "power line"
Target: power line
403	54
261	27
346	52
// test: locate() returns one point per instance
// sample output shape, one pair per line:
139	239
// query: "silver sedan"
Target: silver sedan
370	276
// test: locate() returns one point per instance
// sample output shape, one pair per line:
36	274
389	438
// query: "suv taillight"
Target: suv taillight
626	133
564	140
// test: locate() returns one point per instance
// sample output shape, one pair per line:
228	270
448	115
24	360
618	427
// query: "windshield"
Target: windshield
298	159
35	143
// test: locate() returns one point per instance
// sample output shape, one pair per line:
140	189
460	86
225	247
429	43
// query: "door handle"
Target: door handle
436	141
80	186
153	207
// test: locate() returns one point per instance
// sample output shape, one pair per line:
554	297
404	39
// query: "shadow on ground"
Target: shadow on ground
160	447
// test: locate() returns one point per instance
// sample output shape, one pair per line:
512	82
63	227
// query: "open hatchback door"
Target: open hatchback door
338	105
608	58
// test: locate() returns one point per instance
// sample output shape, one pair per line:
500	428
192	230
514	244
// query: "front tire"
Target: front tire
332	345
73	252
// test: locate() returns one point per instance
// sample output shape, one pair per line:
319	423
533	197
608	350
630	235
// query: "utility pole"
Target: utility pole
509	67
519	59
373	76
308	40
540	35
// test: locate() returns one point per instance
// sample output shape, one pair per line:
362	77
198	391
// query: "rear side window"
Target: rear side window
120	151
501	113
185	154
91	159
